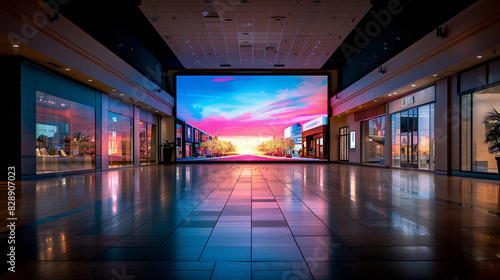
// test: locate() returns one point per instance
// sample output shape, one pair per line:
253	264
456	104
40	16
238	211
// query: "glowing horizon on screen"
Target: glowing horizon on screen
248	110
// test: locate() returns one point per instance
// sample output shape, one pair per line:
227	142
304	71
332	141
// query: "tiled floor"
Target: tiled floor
257	221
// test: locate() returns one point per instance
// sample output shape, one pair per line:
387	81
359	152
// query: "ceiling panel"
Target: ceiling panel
204	34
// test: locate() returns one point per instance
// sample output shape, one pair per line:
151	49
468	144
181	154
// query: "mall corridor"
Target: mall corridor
258	221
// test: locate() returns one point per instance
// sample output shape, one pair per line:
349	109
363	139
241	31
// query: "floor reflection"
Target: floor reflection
260	221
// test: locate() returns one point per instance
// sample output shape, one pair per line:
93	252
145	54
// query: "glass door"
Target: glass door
344	143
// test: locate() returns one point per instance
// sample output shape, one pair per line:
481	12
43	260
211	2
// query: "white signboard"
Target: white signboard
315	123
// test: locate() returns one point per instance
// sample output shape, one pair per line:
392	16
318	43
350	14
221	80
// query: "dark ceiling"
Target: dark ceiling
386	30
361	53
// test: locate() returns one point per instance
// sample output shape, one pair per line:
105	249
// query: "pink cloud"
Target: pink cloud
222	79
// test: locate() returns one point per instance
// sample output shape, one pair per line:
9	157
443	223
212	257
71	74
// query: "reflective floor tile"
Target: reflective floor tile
124	254
276	221
225	253
174	275
232	270
178	253
181	265
276	253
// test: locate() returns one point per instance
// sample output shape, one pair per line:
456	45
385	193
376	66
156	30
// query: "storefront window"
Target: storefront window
412	137
396	140
466	126
344	143
147	140
143	143
475	155
120	129
178	140
65	135
425	151
374	140
152	143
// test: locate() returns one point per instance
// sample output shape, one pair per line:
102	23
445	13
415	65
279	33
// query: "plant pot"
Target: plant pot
167	155
498	166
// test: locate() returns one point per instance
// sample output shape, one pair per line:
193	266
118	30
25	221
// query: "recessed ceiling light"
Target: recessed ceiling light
395	93
149	107
375	100
479	56
390	94
135	100
359	106
90	80
113	89
413	85
156	111
121	94
15	46
67	69
435	75
278	18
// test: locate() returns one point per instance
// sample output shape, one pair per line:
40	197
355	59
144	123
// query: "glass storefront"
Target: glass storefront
120	129
412	137
344	143
178	140
474	106
65	135
374	140
147	143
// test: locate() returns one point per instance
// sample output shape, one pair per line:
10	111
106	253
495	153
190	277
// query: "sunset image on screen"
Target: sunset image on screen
251	117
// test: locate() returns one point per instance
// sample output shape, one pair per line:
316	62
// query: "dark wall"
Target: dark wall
386	30
121	27
10	79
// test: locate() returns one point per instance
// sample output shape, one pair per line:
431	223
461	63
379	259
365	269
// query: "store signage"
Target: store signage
315	123
407	101
421	97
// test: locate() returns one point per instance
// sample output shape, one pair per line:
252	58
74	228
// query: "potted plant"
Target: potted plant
168	151
492	137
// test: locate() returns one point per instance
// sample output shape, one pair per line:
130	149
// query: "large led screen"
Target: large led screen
252	118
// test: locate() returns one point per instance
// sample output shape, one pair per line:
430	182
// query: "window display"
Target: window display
475	155
178	140
412	137
147	143
344	143
65	135
374	140
120	129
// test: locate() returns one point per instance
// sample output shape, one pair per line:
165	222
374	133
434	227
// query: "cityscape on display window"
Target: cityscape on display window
254	117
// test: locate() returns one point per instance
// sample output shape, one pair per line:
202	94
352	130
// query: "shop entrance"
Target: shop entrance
413	138
409	138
